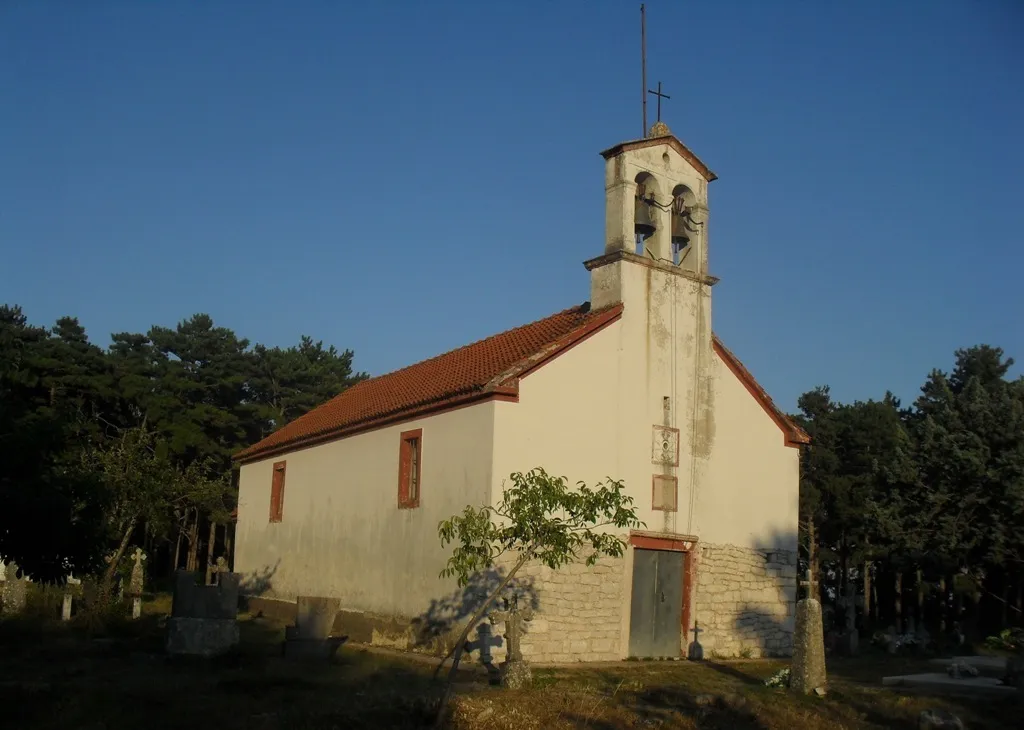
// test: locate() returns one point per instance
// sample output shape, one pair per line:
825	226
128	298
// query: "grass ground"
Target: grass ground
115	677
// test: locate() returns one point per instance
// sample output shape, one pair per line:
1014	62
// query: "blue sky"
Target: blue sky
402	178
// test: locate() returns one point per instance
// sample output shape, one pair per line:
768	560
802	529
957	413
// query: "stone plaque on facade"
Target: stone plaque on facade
665	448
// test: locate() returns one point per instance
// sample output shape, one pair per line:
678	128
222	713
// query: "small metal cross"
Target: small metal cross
660	97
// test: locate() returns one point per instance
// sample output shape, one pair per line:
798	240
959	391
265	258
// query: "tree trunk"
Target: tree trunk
1006	601
1020	602
460	643
209	551
844	566
957	604
812	556
867	590
898	601
920	597
229	530
108	576
193	543
177	551
874	596
943	606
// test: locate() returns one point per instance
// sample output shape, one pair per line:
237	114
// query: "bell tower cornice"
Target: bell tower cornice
661	135
610	258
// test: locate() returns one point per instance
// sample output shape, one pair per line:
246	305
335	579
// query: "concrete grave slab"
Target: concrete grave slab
944	684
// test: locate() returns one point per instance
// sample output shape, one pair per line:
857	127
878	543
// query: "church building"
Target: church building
634	385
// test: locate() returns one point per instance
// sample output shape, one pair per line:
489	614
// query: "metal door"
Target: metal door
657	603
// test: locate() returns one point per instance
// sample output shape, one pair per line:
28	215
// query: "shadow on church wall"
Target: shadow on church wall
436	629
256	584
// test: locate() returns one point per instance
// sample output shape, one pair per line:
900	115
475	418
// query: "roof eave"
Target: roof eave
793	435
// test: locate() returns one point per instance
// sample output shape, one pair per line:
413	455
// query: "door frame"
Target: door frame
685	544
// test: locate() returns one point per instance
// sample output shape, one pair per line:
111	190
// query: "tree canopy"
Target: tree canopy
930	495
101	447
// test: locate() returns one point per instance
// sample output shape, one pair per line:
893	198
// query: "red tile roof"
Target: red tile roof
485	369
489	368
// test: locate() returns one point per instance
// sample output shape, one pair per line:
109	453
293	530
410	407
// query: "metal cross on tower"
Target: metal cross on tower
660	97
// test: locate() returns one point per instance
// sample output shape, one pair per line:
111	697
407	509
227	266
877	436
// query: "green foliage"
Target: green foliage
98	444
1008	640
937	487
539	517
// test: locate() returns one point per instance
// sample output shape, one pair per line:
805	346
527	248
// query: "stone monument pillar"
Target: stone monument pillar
807	672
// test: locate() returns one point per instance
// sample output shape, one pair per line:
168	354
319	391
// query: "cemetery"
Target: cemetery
198	655
545	495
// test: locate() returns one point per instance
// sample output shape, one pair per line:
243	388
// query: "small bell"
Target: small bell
680	224
643	221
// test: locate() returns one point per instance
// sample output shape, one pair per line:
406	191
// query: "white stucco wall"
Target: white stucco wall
342	533
752	491
565	418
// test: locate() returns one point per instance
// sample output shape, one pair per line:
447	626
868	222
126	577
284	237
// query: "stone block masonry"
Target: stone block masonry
577	613
745	601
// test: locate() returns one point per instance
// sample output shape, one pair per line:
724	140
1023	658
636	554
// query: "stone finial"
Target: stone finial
659	129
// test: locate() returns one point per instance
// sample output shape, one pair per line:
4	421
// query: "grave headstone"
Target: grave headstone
807	671
203	618
136	582
14	591
71	589
515	671
310	637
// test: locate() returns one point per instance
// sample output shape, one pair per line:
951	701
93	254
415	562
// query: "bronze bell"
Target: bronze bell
680	235
643	221
680	229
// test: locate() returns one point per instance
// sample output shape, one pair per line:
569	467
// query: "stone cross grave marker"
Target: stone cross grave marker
807	672
515	672
69	592
136	582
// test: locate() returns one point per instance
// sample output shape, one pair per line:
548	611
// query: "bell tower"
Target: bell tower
656	211
655	264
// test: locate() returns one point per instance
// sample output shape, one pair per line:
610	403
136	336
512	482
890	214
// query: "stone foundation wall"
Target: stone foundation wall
745	604
577	615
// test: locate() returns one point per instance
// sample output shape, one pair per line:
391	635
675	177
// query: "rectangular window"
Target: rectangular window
410	468
277	493
663	493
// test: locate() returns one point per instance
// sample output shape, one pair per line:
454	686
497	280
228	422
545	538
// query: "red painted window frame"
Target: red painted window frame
405	467
277	491
654	487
